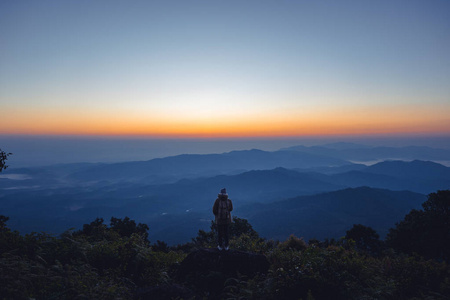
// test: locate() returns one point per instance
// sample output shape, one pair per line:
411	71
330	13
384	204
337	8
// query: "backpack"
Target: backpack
224	213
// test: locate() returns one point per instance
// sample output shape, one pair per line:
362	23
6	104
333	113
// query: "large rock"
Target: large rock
206	270
165	291
230	263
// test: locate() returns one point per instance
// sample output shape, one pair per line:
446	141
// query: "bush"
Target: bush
293	243
101	263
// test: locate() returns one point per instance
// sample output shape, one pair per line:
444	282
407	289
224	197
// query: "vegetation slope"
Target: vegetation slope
117	261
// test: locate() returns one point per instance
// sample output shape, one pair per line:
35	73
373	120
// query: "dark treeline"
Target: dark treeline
117	261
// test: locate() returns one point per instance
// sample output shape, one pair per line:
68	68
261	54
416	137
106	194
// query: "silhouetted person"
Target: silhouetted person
221	209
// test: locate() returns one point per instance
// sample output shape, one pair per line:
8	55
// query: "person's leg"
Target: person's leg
220	234
226	237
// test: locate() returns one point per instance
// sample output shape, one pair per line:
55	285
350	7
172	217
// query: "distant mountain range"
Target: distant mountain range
174	194
363	153
418	176
193	165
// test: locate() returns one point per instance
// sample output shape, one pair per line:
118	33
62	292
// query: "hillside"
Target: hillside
329	215
117	260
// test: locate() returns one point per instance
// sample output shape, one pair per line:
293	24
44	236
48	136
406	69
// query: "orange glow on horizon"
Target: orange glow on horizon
393	120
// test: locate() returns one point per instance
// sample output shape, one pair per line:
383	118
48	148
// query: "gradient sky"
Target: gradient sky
224	68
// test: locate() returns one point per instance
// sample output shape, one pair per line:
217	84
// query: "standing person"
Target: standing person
221	209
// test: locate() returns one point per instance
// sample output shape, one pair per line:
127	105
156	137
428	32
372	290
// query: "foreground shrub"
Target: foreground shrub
293	243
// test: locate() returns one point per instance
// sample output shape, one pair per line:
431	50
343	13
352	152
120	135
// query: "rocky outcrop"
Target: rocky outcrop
203	273
165	291
230	263
207	270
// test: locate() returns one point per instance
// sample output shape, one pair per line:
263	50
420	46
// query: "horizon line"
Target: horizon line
230	137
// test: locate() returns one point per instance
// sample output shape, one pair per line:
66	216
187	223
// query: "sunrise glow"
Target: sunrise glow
231	69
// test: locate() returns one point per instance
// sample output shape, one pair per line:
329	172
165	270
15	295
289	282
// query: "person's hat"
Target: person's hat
223	192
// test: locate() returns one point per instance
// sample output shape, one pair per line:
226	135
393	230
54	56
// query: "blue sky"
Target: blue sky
269	68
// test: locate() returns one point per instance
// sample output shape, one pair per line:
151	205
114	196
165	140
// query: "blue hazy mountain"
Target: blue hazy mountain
193	165
329	215
252	186
345	146
356	152
324	215
55	209
334	169
162	191
418	176
424	170
146	201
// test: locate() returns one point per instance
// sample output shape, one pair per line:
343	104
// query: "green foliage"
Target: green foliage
101	262
161	246
425	232
94	263
3	158
248	243
293	243
9	240
95	231
206	239
127	227
241	226
338	273
48	267
237	288
3	220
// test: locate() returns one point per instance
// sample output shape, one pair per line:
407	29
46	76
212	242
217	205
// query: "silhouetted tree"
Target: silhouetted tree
96	230
242	226
161	246
206	238
9	239
366	239
3	158
3	220
427	231
127	227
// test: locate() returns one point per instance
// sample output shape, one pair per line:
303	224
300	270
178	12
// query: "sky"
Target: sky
224	68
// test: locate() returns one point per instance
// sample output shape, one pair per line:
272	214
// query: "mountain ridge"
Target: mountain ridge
356	152
206	164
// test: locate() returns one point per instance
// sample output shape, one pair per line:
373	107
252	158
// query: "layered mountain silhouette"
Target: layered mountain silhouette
196	165
330	214
417	176
174	194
